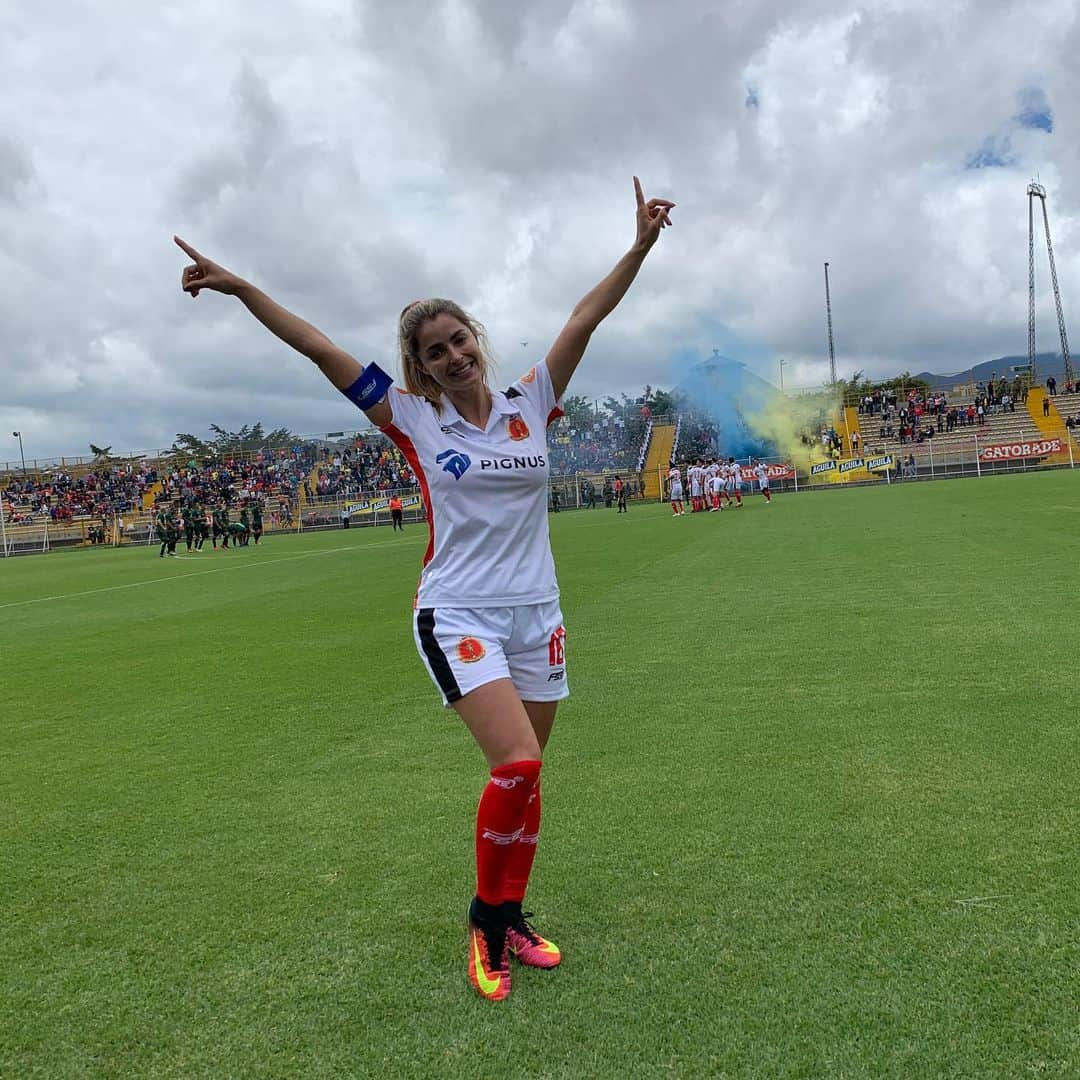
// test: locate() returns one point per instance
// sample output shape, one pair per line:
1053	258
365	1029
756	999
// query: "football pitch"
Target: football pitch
811	809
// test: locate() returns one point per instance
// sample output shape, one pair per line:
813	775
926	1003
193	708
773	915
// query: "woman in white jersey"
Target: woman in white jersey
486	618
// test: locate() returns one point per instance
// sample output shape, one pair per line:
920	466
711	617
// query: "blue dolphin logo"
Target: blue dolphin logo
454	462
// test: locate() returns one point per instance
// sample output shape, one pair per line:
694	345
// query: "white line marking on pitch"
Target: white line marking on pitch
199	573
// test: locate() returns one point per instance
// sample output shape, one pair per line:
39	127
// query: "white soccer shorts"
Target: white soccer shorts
676	493
464	648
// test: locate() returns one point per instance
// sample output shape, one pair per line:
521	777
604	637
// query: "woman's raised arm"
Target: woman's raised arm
335	363
596	305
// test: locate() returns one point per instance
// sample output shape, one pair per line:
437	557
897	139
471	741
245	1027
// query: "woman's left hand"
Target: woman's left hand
652	216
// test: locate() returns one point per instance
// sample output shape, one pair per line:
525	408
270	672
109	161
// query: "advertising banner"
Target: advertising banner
822	467
1015	451
773	472
884	462
851	463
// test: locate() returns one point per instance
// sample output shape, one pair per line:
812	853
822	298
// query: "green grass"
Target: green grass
810	811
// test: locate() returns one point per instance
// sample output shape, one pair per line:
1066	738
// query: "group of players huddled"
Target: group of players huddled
713	485
198	523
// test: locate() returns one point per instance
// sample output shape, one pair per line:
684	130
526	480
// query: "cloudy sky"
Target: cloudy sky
352	155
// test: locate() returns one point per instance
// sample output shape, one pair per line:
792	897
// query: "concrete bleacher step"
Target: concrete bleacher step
658	460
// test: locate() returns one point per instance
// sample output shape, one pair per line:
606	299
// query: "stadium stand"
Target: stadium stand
608	444
920	427
61	495
271	475
369	463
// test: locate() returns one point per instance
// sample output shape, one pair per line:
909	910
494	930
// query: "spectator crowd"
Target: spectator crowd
59	495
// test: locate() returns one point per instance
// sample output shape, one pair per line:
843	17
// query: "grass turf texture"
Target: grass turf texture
811	810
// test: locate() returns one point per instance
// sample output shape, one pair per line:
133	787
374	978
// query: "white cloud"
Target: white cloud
353	156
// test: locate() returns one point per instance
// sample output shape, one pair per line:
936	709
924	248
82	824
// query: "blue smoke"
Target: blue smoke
731	396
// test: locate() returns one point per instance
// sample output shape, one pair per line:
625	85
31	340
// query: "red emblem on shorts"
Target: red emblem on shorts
529	375
517	429
469	650
557	648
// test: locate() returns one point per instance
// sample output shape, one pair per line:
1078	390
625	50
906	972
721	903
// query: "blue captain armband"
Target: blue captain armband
370	388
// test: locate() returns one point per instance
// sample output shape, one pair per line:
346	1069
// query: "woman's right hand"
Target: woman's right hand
205	274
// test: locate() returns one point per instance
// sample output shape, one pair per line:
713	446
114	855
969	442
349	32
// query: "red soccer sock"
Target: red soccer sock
523	851
767	494
499	824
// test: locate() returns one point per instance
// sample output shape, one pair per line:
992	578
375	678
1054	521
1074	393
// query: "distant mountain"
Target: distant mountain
1045	363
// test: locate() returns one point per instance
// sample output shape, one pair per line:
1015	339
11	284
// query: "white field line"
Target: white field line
199	573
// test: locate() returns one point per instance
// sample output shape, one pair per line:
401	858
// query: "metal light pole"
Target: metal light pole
782	362
22	456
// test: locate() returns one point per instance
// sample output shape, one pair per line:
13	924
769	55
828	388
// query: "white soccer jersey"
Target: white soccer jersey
716	484
762	474
486	493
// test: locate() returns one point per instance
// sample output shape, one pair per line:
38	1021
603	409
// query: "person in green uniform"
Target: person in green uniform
161	529
239	532
190	526
221	525
202	529
172	530
245	520
256	521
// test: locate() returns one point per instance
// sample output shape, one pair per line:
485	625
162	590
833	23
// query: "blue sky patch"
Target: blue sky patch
1033	110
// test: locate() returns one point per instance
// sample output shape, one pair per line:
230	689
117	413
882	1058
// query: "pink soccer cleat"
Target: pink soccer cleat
526	945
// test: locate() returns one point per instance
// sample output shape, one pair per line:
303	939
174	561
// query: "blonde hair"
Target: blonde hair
413	316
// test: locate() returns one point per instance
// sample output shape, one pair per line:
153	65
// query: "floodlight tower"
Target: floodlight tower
828	320
1037	191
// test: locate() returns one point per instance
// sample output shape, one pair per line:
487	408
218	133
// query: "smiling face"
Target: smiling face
449	353
443	350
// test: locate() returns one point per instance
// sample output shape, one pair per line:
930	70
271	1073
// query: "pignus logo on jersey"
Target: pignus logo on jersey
454	462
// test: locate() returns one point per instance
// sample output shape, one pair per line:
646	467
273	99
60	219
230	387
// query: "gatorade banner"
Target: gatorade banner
1014	451
875	463
851	463
822	467
772	472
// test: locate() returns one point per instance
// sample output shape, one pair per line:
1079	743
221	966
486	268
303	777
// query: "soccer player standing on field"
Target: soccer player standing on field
762	473
256	521
675	491
487	621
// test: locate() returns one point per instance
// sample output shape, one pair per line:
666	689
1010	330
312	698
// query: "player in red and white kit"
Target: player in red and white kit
486	617
675	491
762	473
712	489
716	488
733	486
696	476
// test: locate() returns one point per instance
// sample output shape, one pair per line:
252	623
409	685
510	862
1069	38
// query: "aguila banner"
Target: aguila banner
1014	451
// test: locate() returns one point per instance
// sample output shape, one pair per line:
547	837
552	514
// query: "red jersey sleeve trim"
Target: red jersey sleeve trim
554	415
408	448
